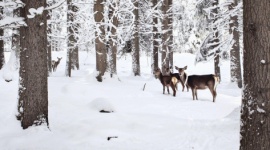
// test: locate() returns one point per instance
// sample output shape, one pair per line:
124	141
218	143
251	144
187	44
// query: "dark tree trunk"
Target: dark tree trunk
170	32
112	44
155	39
101	56
165	53
33	83
16	40
72	52
136	43
236	74
255	120
216	41
2	57
49	47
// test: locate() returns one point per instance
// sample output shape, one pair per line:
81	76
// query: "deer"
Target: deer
166	80
179	78
200	82
55	63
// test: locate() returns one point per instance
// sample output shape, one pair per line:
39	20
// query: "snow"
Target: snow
141	120
33	12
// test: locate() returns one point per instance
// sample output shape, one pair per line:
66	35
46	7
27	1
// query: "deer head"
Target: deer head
157	72
181	70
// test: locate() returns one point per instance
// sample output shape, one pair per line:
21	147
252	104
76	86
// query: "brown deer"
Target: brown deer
55	63
180	79
200	82
166	80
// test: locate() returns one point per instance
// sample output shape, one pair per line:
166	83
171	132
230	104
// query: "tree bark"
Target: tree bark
165	53
155	39
73	51
236	73
2	57
16	40
136	43
216	41
112	44
255	120
170	32
49	47
33	83
101	56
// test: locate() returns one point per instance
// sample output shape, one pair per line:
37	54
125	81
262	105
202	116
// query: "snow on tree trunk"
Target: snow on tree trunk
16	40
136	44
49	47
112	37
155	37
101	56
255	120
236	74
215	41
165	54
33	82
72	61
10	67
2	57
170	31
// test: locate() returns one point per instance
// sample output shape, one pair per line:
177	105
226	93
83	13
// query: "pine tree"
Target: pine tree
136	42
2	57
101	55
155	36
236	74
165	53
33	83
73	51
255	120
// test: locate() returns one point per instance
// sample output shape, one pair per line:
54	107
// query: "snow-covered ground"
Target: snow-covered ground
141	120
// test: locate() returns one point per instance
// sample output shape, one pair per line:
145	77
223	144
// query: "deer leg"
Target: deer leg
168	90
163	89
183	86
187	87
214	93
173	88
196	94
193	93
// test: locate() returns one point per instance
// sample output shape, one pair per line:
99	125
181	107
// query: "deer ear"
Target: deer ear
185	67
176	68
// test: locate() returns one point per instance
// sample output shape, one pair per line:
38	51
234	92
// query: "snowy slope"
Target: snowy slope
142	120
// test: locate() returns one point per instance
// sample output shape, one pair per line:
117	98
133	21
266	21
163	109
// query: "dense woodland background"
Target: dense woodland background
113	29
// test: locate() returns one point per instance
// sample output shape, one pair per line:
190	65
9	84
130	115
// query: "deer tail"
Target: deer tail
217	80
174	80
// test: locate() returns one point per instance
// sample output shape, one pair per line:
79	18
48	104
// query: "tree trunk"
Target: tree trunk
216	41
255	120
136	43
101	56
165	54
112	43
236	74
33	83
155	39
49	47
72	52
170	32
16	40
2	57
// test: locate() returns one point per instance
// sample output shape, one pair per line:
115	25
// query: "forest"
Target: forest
134	74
